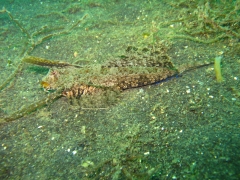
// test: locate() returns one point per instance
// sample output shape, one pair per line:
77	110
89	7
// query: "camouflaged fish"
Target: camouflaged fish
137	68
101	83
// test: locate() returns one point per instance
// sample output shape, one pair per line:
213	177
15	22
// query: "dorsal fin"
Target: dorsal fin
150	56
46	62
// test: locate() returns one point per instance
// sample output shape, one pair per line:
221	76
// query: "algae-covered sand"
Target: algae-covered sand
186	127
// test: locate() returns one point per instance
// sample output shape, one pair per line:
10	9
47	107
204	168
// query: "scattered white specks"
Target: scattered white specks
208	89
52	138
146	153
39	127
83	129
181	131
188	89
201	83
220	52
153	117
211	97
74	152
140	91
47	47
167	90
4	147
235	78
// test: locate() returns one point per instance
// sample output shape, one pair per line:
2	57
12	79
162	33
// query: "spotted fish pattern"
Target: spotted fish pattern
136	68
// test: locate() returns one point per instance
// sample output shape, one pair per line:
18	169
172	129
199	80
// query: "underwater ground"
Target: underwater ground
186	127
